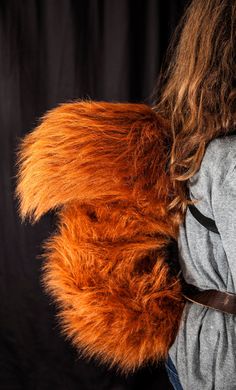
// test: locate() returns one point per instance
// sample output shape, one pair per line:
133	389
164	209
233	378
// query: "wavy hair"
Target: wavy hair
197	91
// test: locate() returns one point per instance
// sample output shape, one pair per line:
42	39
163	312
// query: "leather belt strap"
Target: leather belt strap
215	299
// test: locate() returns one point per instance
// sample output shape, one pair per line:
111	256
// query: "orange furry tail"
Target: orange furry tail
102	167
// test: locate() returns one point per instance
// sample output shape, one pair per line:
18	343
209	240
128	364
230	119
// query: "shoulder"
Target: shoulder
216	174
221	147
219	159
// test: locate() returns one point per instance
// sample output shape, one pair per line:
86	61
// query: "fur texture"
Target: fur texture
101	167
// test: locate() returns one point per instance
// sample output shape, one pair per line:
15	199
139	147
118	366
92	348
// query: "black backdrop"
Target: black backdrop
52	51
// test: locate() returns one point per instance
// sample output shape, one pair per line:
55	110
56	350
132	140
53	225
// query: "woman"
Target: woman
198	95
94	162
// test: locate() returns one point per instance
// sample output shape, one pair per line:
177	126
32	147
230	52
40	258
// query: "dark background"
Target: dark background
52	51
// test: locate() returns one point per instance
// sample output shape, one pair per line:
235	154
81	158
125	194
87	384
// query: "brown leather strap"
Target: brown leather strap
215	299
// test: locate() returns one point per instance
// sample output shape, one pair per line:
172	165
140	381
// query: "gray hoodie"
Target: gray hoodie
204	351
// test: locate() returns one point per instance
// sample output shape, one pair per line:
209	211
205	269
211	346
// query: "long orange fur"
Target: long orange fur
100	167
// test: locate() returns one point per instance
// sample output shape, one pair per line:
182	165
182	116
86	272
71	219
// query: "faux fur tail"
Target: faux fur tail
102	167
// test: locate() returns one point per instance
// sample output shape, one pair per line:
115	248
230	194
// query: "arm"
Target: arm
224	210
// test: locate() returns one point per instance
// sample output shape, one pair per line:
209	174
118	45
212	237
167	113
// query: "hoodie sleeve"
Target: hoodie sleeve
224	210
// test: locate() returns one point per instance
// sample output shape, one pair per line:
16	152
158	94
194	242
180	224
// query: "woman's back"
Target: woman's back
204	349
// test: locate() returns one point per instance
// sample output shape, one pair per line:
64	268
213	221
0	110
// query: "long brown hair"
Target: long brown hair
197	90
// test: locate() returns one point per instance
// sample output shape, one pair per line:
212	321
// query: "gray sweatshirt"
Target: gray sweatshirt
204	351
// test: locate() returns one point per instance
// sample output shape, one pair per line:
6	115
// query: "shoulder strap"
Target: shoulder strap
203	220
